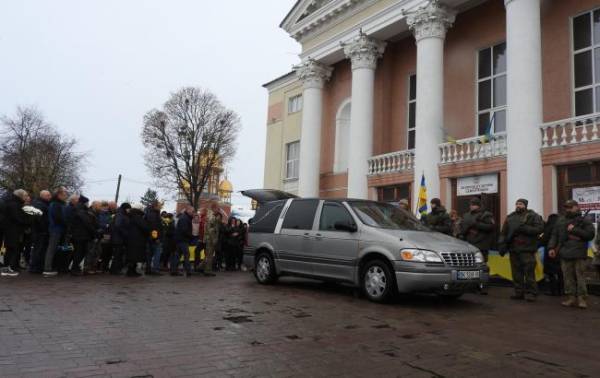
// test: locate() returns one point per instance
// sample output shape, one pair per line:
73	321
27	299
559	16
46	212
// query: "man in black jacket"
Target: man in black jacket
118	238
40	232
519	237
83	230
16	220
438	219
570	242
183	238
154	250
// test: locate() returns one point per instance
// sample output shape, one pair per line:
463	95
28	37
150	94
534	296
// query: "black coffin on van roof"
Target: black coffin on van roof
267	195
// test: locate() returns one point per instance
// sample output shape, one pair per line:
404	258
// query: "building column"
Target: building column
313	76
363	52
524	100
429	25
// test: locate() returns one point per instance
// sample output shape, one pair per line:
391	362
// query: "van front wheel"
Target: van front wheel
378	281
264	269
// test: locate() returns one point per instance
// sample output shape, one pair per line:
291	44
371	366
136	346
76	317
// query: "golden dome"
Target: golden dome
225	186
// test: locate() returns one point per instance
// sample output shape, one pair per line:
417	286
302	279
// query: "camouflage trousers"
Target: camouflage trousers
574	277
209	256
522	265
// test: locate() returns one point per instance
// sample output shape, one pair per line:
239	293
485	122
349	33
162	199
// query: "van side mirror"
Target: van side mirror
345	226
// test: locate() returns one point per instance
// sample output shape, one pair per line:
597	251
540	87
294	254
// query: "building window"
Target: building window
586	62
491	90
294	104
412	110
292	160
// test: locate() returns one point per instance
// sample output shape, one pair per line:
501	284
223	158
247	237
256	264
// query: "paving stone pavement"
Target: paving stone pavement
105	326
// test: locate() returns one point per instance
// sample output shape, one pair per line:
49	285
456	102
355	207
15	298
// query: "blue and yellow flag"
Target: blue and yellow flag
487	137
422	202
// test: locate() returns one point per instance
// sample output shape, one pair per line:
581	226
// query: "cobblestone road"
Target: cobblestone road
231	326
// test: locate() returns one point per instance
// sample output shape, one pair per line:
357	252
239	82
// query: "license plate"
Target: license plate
467	274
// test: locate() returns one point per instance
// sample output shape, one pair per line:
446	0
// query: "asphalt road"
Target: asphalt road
231	326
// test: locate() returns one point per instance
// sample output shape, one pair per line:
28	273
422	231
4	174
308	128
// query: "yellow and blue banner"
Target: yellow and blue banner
422	202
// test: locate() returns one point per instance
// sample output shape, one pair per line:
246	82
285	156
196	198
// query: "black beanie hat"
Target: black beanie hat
523	201
436	201
83	199
125	206
475	201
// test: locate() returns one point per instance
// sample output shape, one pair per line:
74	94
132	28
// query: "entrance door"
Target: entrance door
581	179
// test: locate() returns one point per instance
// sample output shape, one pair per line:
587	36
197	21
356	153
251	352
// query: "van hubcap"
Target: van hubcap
375	281
263	268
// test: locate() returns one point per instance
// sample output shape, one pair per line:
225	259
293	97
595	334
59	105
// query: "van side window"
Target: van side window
266	217
301	214
331	214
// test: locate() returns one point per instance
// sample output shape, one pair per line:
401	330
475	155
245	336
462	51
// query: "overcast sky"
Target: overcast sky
95	67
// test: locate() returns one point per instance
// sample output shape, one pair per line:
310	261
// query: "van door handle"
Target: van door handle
319	237
306	235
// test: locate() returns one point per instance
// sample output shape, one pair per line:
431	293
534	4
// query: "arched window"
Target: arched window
342	137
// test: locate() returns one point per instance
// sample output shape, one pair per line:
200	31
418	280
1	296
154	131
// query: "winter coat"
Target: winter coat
152	216
520	232
16	221
572	244
439	220
183	229
137	237
41	224
120	228
56	216
477	228
3	211
82	224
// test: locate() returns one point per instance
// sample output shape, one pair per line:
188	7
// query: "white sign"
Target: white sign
473	185
588	198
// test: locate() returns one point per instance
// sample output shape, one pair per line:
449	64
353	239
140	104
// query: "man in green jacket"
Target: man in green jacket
519	237
570	242
438	219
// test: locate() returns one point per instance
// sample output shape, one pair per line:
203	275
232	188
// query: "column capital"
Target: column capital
312	73
363	51
431	20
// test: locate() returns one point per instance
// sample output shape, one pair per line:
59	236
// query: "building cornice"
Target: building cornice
281	81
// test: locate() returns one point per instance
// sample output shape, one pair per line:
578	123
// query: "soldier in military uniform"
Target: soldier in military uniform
519	237
211	239
477	228
438	219
570	242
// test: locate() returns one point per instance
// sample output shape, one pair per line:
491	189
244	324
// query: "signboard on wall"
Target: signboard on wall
475	185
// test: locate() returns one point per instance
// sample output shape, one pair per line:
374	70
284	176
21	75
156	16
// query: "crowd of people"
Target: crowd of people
61	233
565	239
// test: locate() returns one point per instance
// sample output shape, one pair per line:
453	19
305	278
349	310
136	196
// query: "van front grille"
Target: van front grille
459	260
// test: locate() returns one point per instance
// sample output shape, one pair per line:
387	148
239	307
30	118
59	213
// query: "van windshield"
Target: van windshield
383	215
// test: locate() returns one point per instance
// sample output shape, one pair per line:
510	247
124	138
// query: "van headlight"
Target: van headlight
479	258
420	255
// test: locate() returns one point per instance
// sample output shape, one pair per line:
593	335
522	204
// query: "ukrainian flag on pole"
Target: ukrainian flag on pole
422	203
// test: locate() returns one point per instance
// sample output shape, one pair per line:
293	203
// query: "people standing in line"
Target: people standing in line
118	237
553	277
241	241
183	238
16	220
82	227
569	242
57	229
168	239
438	219
155	240
519	237
40	233
478	228
455	223
95	247
230	238
137	239
200	241
212	233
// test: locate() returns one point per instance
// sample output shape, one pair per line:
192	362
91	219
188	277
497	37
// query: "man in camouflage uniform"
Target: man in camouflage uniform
570	242
477	228
211	239
519	237
438	219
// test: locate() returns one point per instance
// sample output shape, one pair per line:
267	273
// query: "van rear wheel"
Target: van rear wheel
264	269
378	281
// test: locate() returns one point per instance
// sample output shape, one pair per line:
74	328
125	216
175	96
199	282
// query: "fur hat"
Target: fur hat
523	201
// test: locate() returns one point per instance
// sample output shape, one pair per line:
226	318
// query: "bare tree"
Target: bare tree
34	156
187	139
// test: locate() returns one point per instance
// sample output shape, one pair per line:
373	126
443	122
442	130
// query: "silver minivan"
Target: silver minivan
376	246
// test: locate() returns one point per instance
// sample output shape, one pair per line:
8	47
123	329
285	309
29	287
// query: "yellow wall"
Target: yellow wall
347	24
279	133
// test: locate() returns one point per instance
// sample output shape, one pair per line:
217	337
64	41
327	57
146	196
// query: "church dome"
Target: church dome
225	186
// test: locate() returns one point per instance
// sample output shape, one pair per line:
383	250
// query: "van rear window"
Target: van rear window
266	217
301	214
